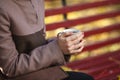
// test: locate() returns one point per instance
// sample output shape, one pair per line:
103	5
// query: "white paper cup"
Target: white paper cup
71	30
74	31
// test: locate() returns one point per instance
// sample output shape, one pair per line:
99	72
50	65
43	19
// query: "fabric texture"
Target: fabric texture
24	51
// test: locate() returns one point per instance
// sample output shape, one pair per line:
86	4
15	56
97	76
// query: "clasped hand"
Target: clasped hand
71	43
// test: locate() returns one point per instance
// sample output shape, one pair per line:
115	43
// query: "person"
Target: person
25	54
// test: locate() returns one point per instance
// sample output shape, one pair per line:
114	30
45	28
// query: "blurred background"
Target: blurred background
101	23
51	4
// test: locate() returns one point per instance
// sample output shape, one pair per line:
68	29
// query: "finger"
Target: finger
70	38
77	41
66	34
74	42
62	35
80	35
77	46
75	36
77	51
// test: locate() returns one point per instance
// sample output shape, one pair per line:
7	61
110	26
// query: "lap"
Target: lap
78	76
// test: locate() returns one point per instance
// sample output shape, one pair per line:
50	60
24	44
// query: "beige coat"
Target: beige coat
25	54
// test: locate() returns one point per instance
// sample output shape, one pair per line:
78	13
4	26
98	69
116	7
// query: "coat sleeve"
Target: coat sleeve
13	63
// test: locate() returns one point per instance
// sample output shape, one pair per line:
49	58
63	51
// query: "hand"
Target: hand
71	43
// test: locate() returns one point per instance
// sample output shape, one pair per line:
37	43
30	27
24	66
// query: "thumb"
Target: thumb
66	34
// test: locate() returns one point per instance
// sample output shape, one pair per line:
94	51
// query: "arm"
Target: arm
14	63
67	57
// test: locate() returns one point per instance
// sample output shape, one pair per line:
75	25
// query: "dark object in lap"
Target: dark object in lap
78	76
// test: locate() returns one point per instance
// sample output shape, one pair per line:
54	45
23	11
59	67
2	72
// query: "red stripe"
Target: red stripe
67	9
108	76
98	72
96	63
101	44
101	30
92	59
101	68
70	23
95	66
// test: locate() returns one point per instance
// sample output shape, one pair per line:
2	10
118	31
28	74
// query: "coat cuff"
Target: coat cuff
58	52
